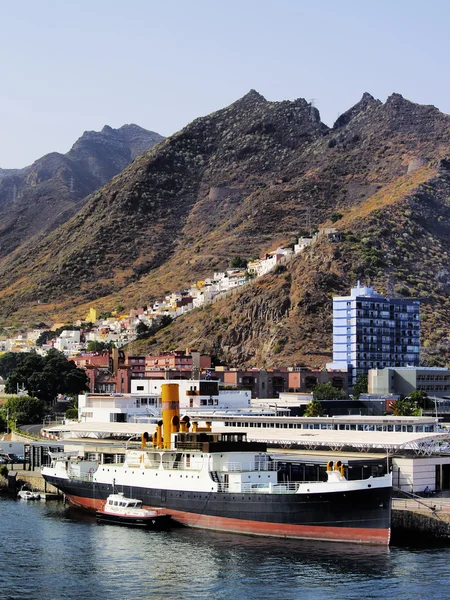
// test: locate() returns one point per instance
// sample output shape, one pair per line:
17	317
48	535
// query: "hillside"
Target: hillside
39	198
240	182
285	318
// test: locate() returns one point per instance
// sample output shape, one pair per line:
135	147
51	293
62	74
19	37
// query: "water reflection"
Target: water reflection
52	552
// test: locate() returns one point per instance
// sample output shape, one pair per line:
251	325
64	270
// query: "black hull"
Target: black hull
360	515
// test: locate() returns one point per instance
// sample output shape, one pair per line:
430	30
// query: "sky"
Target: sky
71	66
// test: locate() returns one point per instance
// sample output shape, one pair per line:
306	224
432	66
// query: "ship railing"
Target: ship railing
251	466
173	464
190	446
270	488
82	476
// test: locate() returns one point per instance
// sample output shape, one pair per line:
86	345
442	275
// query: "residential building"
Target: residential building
371	331
68	341
178	360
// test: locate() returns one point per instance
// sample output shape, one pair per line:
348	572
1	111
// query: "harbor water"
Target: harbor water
53	552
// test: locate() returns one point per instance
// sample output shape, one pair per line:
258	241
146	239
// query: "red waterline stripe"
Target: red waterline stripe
360	535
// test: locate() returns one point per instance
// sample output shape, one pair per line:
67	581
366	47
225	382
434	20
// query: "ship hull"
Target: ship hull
358	516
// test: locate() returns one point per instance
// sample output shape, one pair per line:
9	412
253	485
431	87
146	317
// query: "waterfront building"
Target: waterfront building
144	401
371	331
434	381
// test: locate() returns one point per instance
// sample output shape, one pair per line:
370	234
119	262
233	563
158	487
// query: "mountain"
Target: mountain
8	172
37	199
242	181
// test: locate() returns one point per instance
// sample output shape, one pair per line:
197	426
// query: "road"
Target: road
34	429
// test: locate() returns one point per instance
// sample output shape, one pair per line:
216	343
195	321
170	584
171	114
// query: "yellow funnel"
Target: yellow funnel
170	409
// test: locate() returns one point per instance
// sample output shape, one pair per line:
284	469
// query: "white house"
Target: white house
68	341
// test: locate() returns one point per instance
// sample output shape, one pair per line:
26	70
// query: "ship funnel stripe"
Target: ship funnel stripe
171	405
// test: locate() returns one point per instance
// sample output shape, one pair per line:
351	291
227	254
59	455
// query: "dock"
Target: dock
34	481
420	521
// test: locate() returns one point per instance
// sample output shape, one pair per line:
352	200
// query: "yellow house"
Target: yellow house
92	315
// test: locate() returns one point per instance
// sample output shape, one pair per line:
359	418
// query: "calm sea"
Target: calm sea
51	552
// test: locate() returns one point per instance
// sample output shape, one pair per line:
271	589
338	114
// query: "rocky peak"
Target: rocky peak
396	100
366	102
252	97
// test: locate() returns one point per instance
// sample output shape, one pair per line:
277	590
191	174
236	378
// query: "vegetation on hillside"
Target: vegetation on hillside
239	183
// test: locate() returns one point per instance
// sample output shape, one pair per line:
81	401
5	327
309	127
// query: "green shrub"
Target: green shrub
335	216
72	413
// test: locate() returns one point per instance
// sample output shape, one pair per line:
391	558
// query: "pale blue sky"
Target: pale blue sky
73	65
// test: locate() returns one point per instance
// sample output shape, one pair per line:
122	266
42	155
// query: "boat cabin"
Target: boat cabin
115	500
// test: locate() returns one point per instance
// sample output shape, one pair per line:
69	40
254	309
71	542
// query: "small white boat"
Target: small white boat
120	510
28	495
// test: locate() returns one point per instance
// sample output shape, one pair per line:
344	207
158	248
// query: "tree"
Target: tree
45	377
24	409
142	330
165	321
237	262
95	346
361	386
72	413
44	337
313	409
405	408
420	398
74	382
9	361
325	391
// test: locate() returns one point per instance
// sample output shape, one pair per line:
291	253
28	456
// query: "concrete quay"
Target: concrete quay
33	481
421	521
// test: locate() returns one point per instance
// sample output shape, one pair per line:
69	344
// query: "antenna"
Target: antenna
71	184
14	192
312	106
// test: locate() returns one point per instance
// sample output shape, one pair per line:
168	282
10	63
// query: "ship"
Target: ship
222	482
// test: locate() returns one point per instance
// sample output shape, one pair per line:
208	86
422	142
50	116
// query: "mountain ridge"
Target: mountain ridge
37	199
239	182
